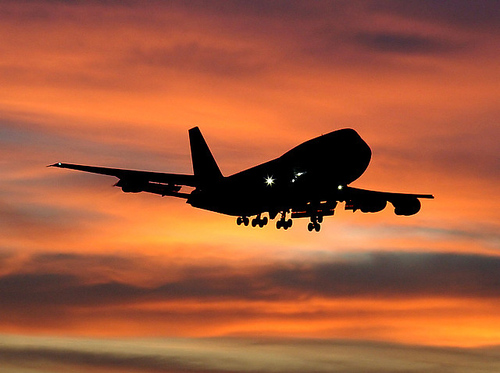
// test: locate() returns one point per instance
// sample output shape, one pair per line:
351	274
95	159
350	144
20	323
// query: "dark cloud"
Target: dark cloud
396	275
16	285
73	262
378	275
50	289
482	14
404	43
261	10
477	14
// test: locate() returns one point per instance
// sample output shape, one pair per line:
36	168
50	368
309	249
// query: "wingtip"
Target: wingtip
57	164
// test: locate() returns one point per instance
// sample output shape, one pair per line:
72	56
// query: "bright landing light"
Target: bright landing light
269	180
340	187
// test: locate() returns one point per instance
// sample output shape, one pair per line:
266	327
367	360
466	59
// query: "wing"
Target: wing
357	199
132	181
374	201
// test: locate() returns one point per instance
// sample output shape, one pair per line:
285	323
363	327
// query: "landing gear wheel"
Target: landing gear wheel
317	227
310	227
259	221
285	224
246	221
239	220
282	222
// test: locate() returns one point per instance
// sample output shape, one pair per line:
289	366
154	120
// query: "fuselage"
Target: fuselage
310	172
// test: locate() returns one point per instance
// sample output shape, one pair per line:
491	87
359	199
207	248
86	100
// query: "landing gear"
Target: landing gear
283	223
313	226
259	221
315	223
242	220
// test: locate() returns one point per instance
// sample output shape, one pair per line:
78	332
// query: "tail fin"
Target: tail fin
204	165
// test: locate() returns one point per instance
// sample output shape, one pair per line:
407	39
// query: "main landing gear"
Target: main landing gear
262	221
242	220
283	223
257	221
315	223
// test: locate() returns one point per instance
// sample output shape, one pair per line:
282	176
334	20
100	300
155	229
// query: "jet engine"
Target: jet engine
366	206
129	186
406	206
136	186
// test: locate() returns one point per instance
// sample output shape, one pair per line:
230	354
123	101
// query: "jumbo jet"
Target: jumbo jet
308	181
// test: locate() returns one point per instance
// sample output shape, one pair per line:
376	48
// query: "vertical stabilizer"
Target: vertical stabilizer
204	165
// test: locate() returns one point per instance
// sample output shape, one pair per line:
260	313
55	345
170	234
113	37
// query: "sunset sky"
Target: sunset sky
96	280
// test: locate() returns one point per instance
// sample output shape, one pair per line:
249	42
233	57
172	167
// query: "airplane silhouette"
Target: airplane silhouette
308	181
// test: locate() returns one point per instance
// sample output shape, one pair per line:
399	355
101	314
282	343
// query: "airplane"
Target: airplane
307	181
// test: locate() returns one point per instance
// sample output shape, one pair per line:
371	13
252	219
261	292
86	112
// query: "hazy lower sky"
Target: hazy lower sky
92	279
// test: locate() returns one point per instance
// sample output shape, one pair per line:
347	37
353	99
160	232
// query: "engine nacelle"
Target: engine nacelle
131	186
366	206
406	206
136	186
373	206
